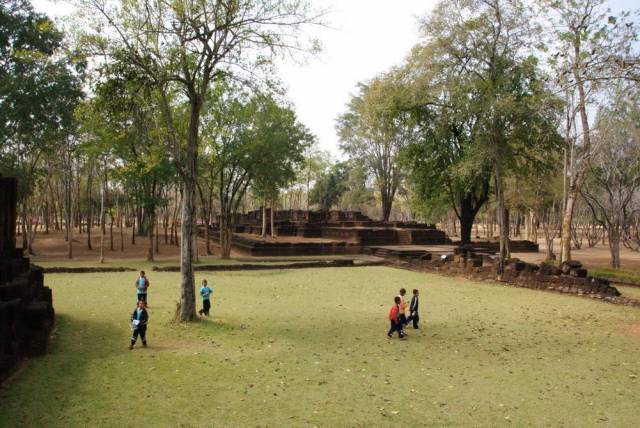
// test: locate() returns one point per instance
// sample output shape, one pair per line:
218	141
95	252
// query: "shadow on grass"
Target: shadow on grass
42	391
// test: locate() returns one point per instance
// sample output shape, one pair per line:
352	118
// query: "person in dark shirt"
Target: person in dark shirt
139	320
413	309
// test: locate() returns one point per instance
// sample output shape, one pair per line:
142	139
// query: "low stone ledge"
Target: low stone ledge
57	269
254	267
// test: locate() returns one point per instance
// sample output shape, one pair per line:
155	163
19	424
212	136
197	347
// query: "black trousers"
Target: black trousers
142	296
206	305
415	318
140	330
395	326
402	319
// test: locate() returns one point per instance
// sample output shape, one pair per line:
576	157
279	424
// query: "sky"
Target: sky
362	39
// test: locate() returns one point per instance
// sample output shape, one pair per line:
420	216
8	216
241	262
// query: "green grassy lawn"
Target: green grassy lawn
620	274
629	291
308	347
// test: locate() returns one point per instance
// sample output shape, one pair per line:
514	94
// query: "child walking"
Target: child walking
394	319
205	292
139	320
142	283
413	310
402	317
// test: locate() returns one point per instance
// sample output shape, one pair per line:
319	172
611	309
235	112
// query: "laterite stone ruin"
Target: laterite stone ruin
26	308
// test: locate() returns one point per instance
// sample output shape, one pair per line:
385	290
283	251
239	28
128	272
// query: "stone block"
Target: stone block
567	266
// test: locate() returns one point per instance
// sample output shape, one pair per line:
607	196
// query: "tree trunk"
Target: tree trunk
467	217
150	252
386	206
102	221
89	208
503	223
46	213
157	235
272	222
225	240
567	222
165	225
188	252
614	248
264	218
69	203
133	229
111	220
533	227
122	225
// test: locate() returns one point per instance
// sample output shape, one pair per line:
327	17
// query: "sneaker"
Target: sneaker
389	336
144	344
130	347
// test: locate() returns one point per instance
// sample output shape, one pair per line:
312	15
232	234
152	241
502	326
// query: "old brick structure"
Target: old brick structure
570	278
334	232
26	310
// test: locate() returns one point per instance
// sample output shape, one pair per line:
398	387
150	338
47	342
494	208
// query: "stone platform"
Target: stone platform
321	233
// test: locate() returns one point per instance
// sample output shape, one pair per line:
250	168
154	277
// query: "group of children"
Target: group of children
397	314
140	316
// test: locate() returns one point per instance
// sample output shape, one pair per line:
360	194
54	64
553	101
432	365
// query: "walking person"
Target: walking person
413	309
142	284
139	320
394	320
402	317
205	292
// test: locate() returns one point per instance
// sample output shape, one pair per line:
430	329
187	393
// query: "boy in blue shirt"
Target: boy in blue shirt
142	283
139	320
205	292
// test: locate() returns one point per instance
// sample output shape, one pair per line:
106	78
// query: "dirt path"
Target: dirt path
52	247
596	257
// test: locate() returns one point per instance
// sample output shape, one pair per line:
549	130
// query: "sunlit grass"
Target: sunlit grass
308	347
619	274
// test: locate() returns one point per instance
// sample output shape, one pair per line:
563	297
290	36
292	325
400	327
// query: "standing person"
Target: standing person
413	310
394	319
139	320
205	292
402	317
142	284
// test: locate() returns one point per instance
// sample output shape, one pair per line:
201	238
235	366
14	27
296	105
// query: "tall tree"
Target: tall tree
181	47
331	186
374	130
590	47
488	41
612	184
446	170
39	90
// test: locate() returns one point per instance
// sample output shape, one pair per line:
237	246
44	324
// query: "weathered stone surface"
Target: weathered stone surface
518	273
567	266
26	310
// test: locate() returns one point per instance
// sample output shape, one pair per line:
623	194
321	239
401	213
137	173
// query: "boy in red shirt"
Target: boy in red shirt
394	319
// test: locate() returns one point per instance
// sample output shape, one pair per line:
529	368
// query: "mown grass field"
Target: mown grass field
308	348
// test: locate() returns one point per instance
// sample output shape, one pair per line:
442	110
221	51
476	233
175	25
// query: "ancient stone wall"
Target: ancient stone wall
26	309
570	278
